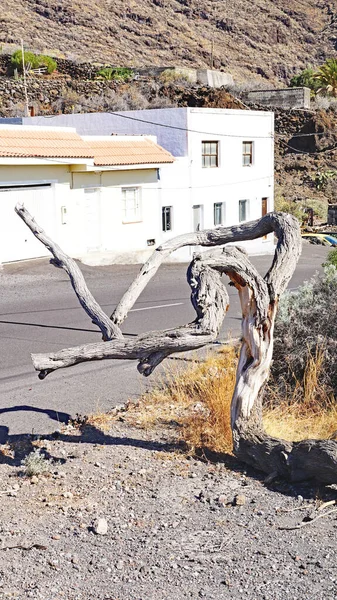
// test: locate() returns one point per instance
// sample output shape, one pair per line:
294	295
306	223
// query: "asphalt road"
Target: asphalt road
39	313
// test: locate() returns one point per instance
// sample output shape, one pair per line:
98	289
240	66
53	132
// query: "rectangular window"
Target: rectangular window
166	214
219	213
210	154
247	154
131	209
243	210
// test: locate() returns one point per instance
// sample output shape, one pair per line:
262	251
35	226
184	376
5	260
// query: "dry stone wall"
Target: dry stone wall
49	95
288	98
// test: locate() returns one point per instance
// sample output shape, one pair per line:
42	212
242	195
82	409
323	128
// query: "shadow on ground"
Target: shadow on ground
17	447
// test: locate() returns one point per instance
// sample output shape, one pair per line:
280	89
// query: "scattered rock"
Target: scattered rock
239	500
100	526
68	495
223	500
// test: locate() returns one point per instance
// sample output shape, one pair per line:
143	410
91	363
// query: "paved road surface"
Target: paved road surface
39	313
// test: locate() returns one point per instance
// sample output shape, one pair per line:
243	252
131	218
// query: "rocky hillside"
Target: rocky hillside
262	39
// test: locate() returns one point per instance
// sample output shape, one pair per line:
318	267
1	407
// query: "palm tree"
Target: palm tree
327	78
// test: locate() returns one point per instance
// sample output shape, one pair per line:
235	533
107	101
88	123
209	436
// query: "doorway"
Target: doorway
198	221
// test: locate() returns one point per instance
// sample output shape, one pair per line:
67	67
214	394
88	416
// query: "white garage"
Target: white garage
16	240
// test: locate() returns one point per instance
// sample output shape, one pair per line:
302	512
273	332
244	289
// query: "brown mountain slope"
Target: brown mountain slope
261	38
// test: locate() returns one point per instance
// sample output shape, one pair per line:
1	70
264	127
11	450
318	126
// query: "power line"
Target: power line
227	135
295	150
167	126
187	130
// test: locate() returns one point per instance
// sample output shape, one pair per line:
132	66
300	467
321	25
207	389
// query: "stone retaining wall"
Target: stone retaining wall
288	98
43	93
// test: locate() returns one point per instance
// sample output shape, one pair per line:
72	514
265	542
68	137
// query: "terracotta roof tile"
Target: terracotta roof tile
128	152
42	143
37	142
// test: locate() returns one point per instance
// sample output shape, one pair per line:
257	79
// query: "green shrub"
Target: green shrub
319	207
326	78
331	259
321	178
299	209
306	78
47	61
30	59
288	206
34	61
306	325
115	74
35	463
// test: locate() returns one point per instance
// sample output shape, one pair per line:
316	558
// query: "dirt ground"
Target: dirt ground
126	515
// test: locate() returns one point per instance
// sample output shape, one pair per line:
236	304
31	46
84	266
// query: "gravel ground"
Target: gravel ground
124	515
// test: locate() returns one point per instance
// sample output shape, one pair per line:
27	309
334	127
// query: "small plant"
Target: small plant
288	206
321	178
115	74
170	76
35	463
331	259
29	58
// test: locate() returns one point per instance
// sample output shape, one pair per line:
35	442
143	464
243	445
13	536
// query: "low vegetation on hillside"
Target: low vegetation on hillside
32	61
194	33
322	81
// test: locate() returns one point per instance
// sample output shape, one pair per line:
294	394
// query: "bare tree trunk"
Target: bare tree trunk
259	299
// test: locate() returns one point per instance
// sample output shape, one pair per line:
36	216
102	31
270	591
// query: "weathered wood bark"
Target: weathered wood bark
259	299
92	308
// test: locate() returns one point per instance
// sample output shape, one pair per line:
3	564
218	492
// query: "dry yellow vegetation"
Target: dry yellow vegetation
194	399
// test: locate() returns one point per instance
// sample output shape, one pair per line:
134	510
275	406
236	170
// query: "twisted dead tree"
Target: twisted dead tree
259	298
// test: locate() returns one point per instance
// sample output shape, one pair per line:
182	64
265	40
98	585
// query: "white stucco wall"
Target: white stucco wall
187	183
80	223
97	227
122	242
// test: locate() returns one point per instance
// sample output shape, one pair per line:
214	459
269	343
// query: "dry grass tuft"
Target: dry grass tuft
309	411
195	401
294	424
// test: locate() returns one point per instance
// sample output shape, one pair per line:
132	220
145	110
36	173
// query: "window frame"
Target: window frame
138	208
249	154
246	201
223	213
205	155
164	227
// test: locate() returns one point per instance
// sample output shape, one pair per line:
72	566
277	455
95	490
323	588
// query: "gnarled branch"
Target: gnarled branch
92	308
259	299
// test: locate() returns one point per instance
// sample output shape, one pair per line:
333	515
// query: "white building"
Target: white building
92	198
224	168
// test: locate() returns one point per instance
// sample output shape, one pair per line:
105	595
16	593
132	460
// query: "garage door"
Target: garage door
16	241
